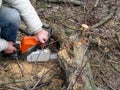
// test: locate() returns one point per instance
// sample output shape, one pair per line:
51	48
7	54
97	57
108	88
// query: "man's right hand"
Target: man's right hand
10	48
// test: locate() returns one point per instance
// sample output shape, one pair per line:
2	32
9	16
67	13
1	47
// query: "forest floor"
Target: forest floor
103	53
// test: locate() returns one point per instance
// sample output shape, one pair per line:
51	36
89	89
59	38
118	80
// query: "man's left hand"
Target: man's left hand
42	36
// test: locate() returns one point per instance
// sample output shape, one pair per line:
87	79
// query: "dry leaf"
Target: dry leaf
106	49
85	26
98	40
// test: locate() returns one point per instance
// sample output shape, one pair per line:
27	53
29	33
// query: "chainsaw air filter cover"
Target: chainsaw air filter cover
41	55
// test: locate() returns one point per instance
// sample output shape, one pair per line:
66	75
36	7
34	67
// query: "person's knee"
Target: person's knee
14	17
10	15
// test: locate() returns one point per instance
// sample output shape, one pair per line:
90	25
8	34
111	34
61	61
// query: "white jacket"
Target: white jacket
28	15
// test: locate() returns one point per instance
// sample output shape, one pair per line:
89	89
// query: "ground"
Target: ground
103	54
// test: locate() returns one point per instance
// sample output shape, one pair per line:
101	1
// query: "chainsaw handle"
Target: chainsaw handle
49	30
30	44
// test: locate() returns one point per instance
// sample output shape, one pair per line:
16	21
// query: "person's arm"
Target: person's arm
28	14
30	17
0	3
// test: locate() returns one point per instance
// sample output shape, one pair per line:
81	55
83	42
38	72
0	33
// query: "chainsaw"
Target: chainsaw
32	50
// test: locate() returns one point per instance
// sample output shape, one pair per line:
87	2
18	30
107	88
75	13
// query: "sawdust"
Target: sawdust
14	73
105	65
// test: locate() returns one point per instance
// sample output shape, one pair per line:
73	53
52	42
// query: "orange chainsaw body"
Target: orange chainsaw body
28	42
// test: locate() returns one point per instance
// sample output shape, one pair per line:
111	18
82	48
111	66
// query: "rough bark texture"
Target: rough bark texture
73	60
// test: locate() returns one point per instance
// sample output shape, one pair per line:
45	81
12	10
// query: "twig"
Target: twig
96	3
48	81
21	70
115	69
74	2
41	78
77	72
15	81
91	80
103	21
117	35
14	88
106	82
107	18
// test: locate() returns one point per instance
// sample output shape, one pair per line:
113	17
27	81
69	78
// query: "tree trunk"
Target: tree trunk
74	61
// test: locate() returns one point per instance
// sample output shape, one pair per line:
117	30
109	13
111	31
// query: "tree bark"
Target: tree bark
74	61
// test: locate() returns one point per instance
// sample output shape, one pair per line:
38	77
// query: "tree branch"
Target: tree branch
107	18
74	2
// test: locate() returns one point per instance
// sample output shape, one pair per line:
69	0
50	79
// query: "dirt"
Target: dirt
103	55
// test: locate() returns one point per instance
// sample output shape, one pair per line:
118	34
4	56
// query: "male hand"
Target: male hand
42	36
10	48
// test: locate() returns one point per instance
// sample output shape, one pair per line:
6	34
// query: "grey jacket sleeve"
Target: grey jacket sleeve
28	13
0	3
3	44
